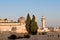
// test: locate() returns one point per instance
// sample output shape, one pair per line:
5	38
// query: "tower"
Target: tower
43	22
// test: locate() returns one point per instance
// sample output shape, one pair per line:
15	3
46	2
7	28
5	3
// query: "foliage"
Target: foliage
34	26
31	25
13	37
26	36
28	22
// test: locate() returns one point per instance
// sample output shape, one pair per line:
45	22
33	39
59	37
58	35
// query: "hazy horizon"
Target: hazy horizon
50	9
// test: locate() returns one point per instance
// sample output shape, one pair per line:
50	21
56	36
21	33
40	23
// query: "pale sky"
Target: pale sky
50	9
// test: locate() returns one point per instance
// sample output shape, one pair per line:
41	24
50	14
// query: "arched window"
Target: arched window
13	29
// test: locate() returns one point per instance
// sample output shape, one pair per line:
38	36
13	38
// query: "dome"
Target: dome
21	20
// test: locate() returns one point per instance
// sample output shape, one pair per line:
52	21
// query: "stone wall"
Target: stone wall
8	27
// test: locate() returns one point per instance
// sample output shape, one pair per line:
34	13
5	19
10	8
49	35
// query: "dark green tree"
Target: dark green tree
34	26
28	23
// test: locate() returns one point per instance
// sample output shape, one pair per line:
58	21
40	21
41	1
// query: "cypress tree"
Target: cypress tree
28	23
34	26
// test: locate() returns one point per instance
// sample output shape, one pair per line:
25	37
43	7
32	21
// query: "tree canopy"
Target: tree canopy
31	25
28	23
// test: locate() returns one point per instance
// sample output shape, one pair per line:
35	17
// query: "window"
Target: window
13	29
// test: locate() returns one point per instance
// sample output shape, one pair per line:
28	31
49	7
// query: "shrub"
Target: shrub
26	36
13	37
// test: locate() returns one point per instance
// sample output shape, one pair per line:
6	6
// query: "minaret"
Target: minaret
43	22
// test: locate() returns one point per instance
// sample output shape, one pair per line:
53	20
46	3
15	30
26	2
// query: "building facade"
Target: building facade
10	25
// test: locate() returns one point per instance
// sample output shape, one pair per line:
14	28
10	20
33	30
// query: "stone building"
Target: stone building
10	25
